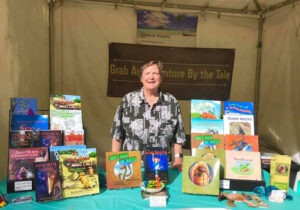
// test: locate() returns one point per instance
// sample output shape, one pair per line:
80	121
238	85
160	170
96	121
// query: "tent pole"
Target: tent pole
51	44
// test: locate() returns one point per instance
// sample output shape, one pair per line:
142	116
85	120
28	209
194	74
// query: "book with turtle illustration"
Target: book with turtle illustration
238	108
20	139
212	153
123	169
200	175
206	141
70	102
243	165
50	138
239	124
47	181
205	109
245	143
280	171
23	106
156	165
79	172
207	126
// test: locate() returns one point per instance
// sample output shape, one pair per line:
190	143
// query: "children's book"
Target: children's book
123	169
205	109
207	126
79	173
23	106
280	171
67	120
70	102
156	165
74	137
20	139
47	181
51	138
30	122
70	149
211	153
206	141
200	175
21	162
243	165
242	143
236	108
238	124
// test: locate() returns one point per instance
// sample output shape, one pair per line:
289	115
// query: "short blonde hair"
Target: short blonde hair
150	63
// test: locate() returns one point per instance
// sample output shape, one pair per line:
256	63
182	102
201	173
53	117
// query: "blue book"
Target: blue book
23	106
208	126
244	108
30	122
55	151
205	109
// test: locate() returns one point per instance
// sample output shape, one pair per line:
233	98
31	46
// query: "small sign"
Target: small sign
158	201
23	185
225	184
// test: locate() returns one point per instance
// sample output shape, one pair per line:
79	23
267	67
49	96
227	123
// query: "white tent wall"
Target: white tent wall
24	60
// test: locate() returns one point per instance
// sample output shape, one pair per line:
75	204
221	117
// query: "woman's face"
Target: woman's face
151	78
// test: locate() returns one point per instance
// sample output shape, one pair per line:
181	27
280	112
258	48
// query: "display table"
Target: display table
131	199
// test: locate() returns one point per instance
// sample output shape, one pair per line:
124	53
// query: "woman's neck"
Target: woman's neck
151	96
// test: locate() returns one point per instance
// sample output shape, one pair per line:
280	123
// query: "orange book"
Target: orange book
245	143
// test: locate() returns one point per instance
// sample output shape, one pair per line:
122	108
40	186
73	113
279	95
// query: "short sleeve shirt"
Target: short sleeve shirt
142	127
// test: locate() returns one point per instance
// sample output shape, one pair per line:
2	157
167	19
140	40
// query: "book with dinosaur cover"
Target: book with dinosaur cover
245	143
239	124
238	108
67	120
280	171
243	165
30	122
205	109
23	106
70	102
207	126
123	169
74	137
156	165
47	181
20	139
200	175
70	149
79	173
50	138
206	141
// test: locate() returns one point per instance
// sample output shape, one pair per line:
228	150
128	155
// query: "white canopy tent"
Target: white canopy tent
72	58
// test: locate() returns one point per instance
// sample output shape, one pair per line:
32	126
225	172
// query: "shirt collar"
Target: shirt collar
142	97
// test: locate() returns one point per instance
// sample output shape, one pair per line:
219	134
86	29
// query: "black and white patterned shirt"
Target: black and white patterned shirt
142	127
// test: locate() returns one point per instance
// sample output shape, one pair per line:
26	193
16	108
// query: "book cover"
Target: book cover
123	169
70	102
79	173
74	137
57	150
236	108
280	171
23	106
67	120
30	122
205	109
156	165
20	139
50	138
243	165
207	126
47	181
238	124
210	153
21	162
242	143
200	175
207	141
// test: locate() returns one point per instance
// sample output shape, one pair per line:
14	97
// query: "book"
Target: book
156	165
210	153
280	169
67	120
79	173
20	139
243	165
123	169
200	175
236	108
239	124
23	106
55	151
74	137
207	141
50	138
47	181
21	162
245	143
30	122
207	126
205	109
70	102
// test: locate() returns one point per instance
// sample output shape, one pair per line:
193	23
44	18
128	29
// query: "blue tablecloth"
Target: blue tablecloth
131	199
